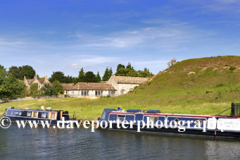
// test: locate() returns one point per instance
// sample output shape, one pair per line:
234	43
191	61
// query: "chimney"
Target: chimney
45	77
35	77
24	78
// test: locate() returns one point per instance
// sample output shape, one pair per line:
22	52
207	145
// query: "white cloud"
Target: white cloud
145	37
74	64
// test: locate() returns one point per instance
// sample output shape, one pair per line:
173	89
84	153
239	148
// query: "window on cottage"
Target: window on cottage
72	92
98	93
85	93
111	93
122	85
131	86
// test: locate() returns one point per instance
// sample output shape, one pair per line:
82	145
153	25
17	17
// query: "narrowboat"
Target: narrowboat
52	116
155	121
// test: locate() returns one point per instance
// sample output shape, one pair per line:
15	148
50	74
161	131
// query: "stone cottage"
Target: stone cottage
124	84
115	86
40	81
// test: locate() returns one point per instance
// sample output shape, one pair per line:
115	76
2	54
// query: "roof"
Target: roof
129	80
41	80
67	86
30	81
88	86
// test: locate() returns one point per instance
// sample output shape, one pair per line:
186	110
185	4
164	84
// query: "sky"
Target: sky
66	35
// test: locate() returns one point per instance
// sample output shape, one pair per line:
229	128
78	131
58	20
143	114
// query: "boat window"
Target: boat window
20	113
44	115
35	115
29	114
16	113
121	117
153	119
52	115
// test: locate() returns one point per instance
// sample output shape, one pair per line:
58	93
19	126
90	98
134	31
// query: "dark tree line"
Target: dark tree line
59	76
131	72
20	72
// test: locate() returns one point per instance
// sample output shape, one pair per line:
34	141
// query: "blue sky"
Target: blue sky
66	35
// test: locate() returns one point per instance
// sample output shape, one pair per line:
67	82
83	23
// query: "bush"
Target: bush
149	82
34	89
232	68
208	92
219	85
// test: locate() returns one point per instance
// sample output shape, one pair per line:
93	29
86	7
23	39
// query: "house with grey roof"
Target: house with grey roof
115	86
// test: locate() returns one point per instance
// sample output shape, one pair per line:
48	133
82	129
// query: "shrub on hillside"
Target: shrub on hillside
208	92
219	85
232	68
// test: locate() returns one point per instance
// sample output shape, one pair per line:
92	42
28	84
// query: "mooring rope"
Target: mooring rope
223	111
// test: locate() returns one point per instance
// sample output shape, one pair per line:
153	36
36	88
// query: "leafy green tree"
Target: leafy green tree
3	73
98	77
120	66
11	87
15	71
121	72
90	77
27	71
69	79
110	73
105	76
132	73
57	88
81	76
59	76
144	73
34	89
129	66
47	89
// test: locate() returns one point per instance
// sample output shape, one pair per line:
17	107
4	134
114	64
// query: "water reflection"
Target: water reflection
103	144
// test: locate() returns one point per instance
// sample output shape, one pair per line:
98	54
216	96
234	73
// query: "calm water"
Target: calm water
104	144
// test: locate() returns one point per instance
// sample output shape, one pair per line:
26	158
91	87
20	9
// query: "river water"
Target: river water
107	144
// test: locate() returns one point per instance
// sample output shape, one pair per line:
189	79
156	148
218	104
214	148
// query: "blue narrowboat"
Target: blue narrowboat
155	121
49	115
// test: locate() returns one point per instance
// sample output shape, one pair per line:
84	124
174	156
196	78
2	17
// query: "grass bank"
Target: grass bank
195	86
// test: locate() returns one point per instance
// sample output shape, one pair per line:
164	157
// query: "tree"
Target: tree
110	72
47	89
59	76
144	73
34	89
169	64
81	76
14	70
129	66
98	77
27	71
57	88
90	77
120	66
11	87
132	73
3	73
106	75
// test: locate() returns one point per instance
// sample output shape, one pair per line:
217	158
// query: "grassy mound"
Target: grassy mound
193	86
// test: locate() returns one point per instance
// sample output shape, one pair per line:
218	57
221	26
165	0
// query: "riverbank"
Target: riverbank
92	108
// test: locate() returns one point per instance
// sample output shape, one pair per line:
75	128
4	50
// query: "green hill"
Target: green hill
193	86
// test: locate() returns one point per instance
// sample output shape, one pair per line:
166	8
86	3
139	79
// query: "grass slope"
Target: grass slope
194	86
